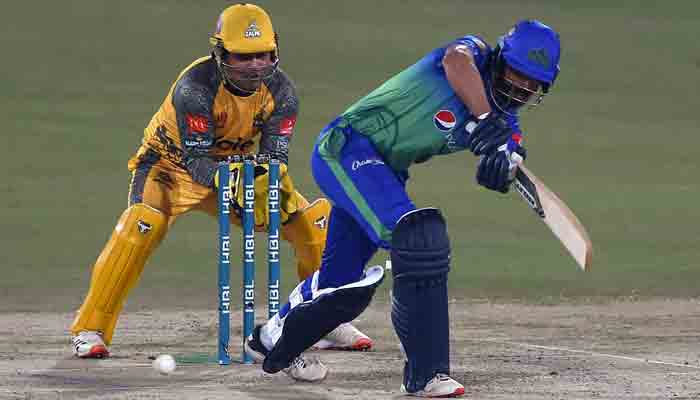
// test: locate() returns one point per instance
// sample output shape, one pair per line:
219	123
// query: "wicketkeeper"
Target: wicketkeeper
465	95
232	102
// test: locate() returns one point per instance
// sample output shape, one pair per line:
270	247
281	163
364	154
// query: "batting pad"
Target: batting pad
307	291
309	321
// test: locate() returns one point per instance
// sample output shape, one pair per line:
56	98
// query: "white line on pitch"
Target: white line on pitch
590	353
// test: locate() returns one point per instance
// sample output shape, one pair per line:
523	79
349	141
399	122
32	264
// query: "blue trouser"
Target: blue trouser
368	199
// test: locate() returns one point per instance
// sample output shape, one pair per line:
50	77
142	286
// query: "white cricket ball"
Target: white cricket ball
164	363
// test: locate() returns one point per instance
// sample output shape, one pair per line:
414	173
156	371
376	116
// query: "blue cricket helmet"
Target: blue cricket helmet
533	49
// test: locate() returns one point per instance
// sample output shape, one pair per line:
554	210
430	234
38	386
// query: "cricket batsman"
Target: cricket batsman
465	95
232	102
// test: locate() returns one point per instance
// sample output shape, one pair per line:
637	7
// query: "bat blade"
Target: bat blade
556	215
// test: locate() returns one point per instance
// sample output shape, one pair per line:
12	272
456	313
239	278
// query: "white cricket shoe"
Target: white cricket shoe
303	368
345	337
307	369
89	344
253	346
440	386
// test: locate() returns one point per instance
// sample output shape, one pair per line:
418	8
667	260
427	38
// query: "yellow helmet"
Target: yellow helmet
244	31
245	28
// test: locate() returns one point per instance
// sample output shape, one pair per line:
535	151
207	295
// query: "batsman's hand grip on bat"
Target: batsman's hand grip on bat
496	171
487	132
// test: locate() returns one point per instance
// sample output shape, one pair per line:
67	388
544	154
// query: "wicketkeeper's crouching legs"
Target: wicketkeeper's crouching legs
139	231
306	231
116	271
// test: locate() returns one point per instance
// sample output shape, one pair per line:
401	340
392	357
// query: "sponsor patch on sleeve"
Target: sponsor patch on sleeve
287	125
197	123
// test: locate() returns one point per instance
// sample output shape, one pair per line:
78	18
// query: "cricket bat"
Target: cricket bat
555	214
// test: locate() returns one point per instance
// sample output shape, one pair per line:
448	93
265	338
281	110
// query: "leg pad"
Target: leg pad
118	268
308	322
420	257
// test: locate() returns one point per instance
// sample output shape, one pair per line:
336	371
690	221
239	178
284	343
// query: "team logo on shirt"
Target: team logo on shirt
445	120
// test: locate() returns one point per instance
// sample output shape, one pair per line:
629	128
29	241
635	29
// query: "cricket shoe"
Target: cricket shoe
345	337
303	368
307	369
254	347
89	344
440	386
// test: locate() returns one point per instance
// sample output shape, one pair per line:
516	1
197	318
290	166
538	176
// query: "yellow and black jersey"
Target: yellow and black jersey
202	120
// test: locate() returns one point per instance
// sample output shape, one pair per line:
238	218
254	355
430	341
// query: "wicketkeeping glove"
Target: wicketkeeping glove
288	203
487	133
496	170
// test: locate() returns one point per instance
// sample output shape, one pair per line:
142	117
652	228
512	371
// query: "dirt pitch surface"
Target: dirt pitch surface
621	350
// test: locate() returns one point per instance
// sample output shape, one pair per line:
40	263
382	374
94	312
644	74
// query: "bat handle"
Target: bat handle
516	158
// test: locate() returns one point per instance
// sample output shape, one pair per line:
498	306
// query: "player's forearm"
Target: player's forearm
465	79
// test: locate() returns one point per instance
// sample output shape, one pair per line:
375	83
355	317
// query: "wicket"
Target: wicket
248	233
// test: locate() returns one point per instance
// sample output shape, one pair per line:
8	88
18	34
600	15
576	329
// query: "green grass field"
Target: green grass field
615	139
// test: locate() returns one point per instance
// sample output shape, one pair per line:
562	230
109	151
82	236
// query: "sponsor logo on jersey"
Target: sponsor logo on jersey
287	126
252	31
197	123
445	120
199	143
236	144
357	164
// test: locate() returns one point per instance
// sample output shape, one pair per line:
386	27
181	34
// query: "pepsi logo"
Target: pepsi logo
445	120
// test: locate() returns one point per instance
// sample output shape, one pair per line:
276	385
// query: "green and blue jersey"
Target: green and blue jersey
416	115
